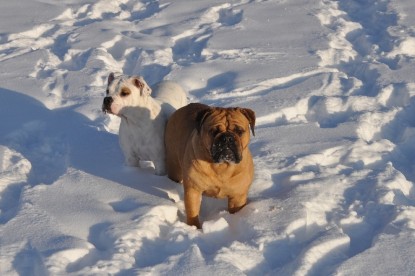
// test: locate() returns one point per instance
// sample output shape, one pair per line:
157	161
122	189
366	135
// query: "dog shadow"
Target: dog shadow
55	140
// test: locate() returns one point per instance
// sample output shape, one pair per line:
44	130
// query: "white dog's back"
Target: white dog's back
170	95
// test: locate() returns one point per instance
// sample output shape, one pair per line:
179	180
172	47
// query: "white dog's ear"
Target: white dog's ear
141	84
111	78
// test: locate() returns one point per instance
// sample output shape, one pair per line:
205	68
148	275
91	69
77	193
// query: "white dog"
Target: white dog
143	116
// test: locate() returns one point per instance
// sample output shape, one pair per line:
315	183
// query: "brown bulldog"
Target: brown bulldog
207	150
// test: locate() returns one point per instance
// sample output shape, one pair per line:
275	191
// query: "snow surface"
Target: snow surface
333	87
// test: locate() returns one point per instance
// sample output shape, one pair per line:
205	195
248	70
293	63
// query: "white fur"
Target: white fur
144	117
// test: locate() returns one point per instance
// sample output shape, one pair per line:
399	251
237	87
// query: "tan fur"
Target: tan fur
188	158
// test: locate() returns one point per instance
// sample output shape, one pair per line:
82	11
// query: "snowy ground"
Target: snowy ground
333	87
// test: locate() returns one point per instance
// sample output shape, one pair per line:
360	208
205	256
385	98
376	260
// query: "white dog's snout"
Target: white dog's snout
108	100
106	105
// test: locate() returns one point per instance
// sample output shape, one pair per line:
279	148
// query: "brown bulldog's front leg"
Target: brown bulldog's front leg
192	201
236	203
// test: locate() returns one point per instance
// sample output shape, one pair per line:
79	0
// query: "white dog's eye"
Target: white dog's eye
125	92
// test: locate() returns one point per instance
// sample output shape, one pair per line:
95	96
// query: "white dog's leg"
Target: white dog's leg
131	159
160	166
127	146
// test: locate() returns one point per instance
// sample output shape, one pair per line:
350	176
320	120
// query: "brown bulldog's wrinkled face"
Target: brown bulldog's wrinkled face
225	132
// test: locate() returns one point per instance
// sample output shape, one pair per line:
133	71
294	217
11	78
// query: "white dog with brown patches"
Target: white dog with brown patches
144	115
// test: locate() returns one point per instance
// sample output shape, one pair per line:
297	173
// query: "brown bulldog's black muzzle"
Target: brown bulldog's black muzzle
225	149
106	105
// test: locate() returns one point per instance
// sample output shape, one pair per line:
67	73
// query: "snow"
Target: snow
332	85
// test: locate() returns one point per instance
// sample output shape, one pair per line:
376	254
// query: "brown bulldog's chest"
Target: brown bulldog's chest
219	181
218	191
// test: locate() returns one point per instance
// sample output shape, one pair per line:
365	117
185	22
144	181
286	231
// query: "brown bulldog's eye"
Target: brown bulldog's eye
239	130
125	92
214	131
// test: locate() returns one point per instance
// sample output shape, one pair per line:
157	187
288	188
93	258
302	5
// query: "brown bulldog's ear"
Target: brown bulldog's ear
141	84
250	115
111	78
201	117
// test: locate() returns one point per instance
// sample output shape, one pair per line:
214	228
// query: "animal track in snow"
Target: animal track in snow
48	154
359	48
14	173
333	151
345	222
127	240
190	44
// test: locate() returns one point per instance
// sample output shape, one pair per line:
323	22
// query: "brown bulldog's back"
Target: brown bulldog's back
178	131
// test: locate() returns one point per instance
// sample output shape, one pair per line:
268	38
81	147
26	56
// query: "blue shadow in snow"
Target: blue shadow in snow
53	140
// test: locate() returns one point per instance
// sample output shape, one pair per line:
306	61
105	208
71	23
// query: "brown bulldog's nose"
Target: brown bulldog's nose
227	138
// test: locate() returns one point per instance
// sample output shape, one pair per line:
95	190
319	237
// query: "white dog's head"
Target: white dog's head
125	91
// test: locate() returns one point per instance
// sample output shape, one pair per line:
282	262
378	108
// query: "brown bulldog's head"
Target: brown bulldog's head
224	132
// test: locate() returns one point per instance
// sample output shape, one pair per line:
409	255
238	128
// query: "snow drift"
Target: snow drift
332	84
